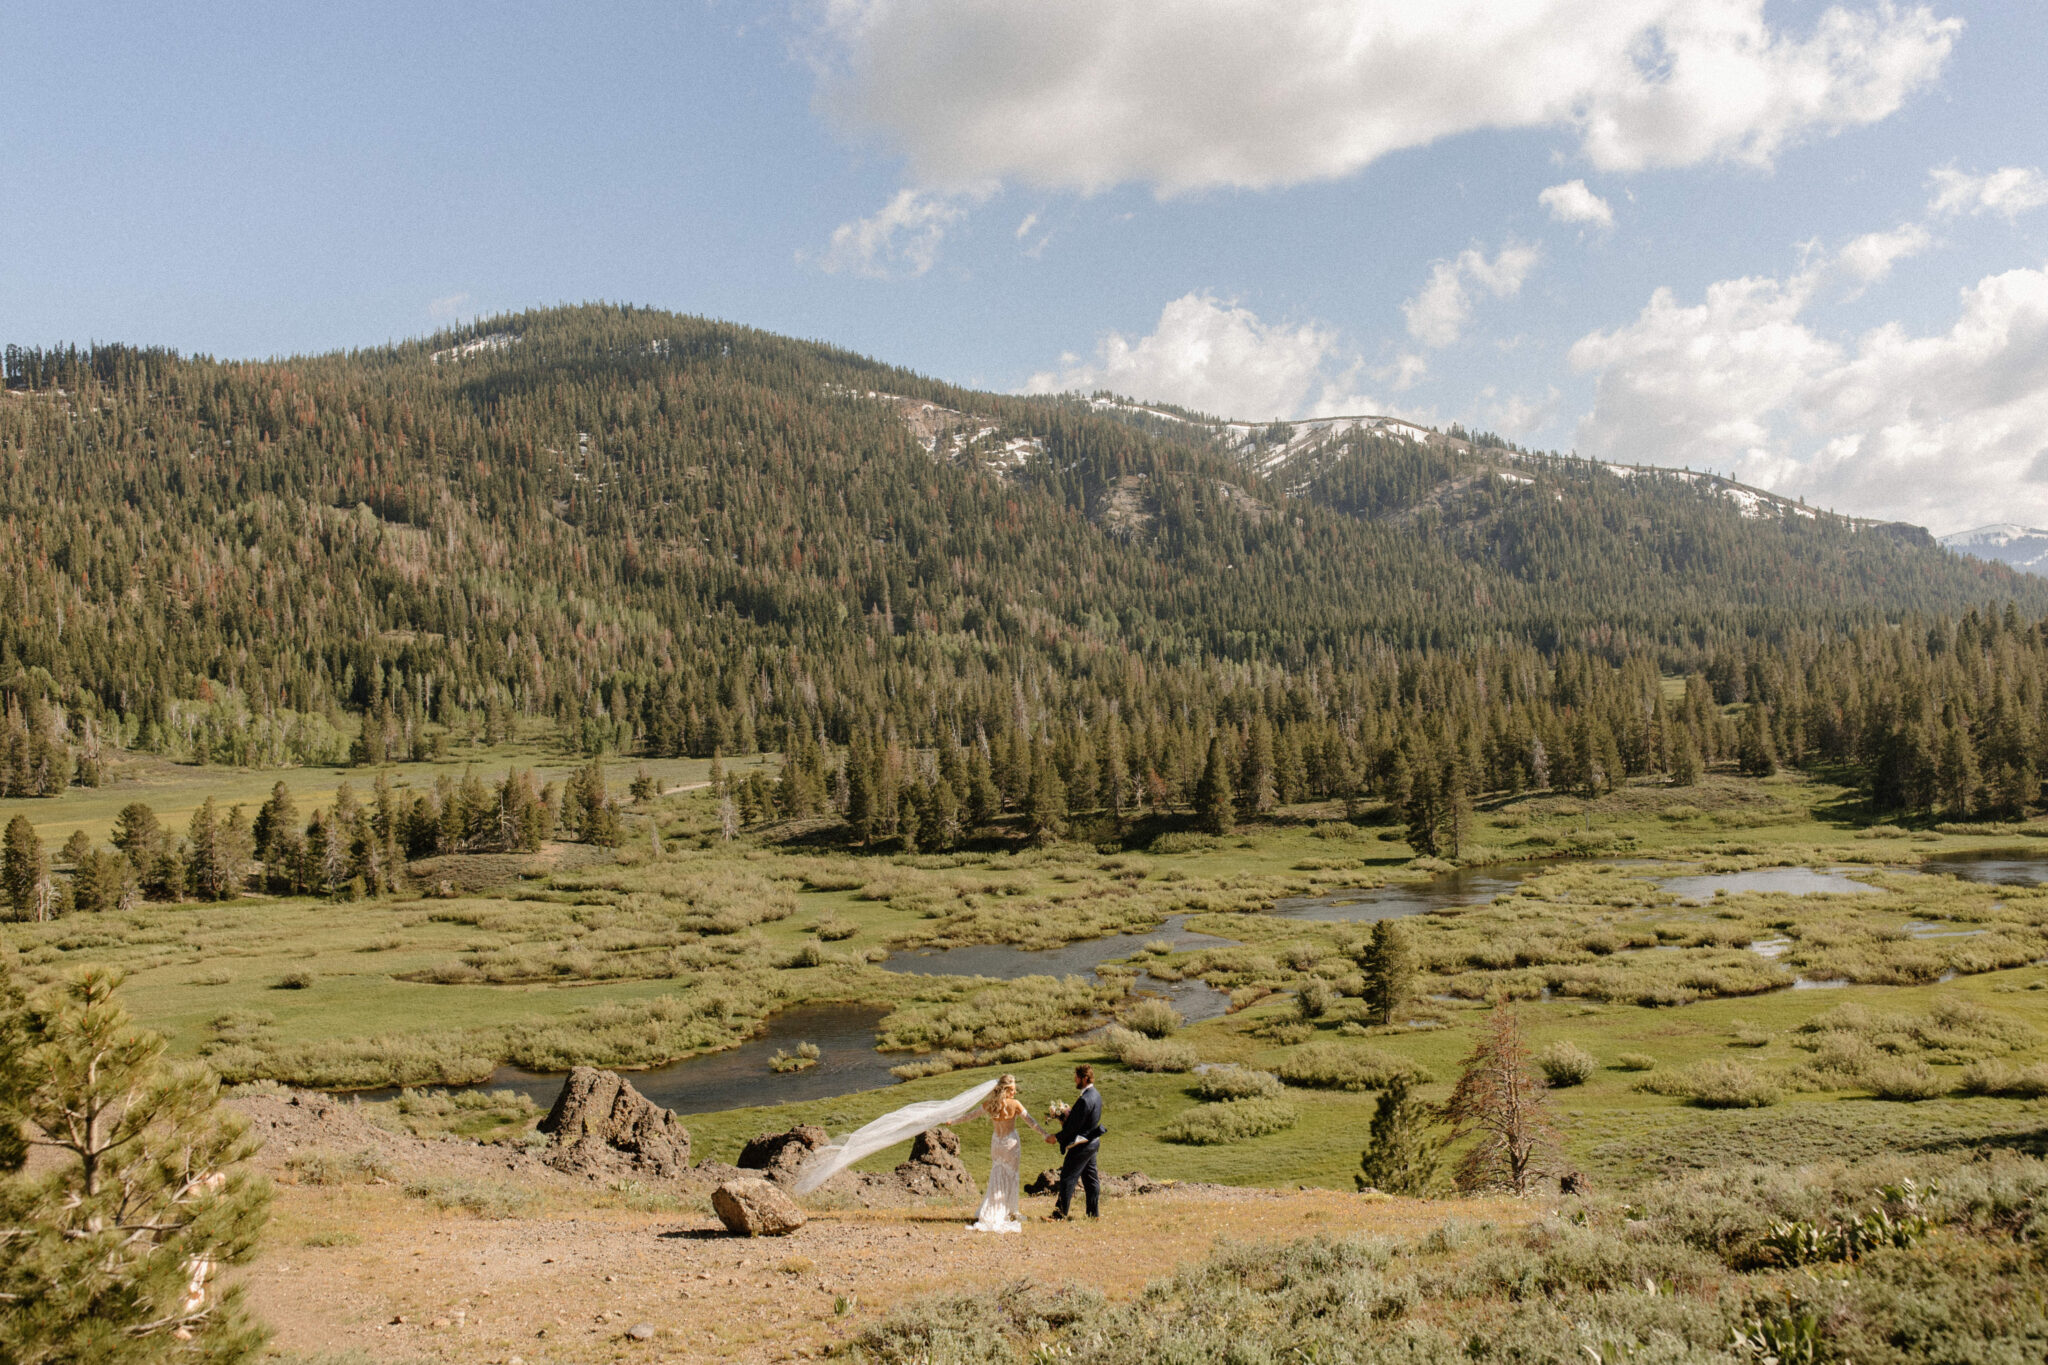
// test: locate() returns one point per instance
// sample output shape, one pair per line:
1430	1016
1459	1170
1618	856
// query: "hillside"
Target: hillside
677	534
2022	547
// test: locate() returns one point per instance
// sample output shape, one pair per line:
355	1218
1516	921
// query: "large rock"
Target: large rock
601	1125
935	1167
753	1207
779	1156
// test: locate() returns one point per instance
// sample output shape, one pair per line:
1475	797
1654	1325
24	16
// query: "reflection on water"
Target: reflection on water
1194	999
1999	866
739	1077
1466	886
1790	881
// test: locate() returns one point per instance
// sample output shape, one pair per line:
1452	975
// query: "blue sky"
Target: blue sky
1803	243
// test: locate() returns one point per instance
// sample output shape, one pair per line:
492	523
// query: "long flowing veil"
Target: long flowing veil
898	1126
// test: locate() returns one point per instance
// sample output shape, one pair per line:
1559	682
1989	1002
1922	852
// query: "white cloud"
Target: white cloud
2010	190
447	307
1572	202
1219	357
1869	258
1438	312
900	238
1942	429
1516	416
1186	95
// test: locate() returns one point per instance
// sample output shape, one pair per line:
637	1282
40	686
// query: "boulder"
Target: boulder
753	1207
935	1167
601	1125
779	1156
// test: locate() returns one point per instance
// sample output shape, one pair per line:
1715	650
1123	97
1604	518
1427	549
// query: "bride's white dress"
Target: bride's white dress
1000	1210
1001	1207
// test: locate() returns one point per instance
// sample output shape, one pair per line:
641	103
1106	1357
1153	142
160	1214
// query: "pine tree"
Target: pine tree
114	1255
138	834
208	871
1755	754
1389	966
1685	759
1502	1103
25	873
75	849
1045	812
1215	805
1401	1155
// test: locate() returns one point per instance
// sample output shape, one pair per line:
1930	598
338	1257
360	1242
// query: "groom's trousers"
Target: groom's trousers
1080	1166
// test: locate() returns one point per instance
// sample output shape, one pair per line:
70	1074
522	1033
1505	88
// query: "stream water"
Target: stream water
845	1034
738	1077
2001	866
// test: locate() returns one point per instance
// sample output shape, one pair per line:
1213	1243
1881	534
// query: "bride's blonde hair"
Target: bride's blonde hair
1002	1102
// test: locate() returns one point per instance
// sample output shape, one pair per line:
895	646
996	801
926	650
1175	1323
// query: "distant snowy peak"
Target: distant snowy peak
2023	547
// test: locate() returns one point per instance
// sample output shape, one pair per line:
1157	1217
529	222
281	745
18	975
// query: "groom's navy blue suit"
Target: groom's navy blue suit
1080	1135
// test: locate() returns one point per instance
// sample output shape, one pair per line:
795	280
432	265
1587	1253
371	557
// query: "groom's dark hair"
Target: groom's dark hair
1085	1074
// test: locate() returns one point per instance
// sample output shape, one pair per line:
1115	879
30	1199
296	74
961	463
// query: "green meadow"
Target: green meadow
1923	1020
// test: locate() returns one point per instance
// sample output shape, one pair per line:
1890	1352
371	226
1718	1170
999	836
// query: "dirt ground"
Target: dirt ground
410	1282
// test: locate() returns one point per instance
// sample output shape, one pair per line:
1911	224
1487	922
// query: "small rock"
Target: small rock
641	1331
753	1207
398	1321
438	1322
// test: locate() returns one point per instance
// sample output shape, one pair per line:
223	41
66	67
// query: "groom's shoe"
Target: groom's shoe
1057	1217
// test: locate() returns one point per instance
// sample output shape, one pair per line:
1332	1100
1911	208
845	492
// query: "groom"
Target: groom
1079	1137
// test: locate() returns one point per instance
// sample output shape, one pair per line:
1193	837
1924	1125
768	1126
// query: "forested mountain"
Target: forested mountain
675	535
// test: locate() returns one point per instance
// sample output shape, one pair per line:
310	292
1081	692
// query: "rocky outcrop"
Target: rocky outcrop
1047	1181
779	1156
935	1167
601	1125
753	1207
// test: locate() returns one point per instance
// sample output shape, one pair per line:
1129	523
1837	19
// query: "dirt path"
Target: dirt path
375	1271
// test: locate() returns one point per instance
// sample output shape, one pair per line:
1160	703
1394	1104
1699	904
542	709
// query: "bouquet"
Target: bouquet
1058	1110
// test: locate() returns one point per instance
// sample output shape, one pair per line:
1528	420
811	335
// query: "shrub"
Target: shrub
1238	1083
1153	1017
1337	1066
331	1168
1748	1034
1635	1061
805	1056
1140	1053
1210	1125
1315	998
485	1199
1904	1080
293	981
1566	1064
833	930
1717	1085
2005	1079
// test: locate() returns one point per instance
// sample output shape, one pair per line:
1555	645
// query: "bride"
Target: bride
997	1100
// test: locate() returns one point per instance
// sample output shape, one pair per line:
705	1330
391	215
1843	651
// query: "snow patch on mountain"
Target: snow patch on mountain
2023	547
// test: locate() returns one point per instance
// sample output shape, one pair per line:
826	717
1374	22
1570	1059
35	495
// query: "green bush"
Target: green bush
1717	1085
833	930
1237	1083
293	981
1906	1079
1635	1061
1338	1066
1153	1017
1140	1053
1315	999
1209	1125
1566	1064
2004	1079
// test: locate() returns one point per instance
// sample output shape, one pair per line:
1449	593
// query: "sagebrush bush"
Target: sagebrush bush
1717	1085
1230	1121
1153	1017
1237	1083
2004	1079
1635	1061
1905	1079
1341	1066
1566	1064
1140	1053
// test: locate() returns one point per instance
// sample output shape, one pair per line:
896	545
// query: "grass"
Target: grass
632	960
